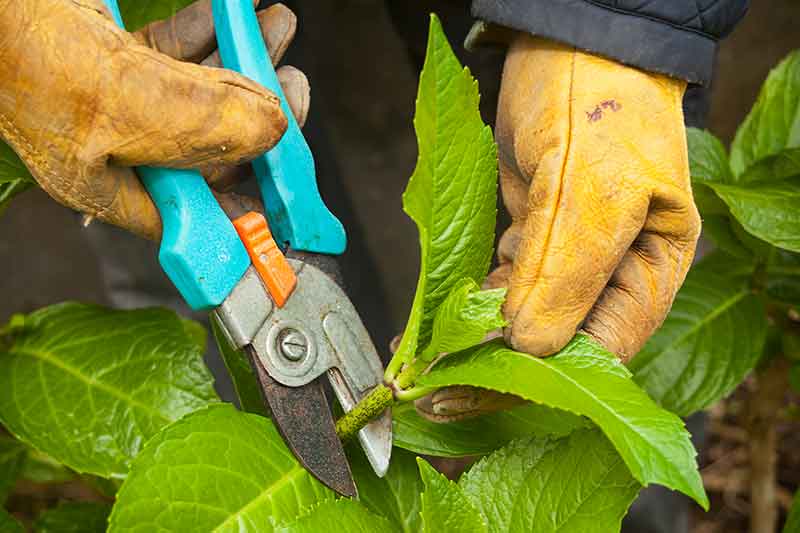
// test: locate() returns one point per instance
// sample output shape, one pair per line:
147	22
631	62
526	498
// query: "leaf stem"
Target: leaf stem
393	368
408	376
370	407
414	393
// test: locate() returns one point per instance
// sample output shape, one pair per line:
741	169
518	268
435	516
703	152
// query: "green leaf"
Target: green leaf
586	379
241	373
89	385
12	457
14	176
196	332
75	517
708	160
768	210
773	125
783	276
137	13
451	195
727	267
712	338
493	484
444	505
41	468
464	318
12	169
9	524
777	167
760	249
339	515
793	520
719	229
216	469
478	436
396	496
578	483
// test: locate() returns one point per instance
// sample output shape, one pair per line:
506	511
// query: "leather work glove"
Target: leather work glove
594	173
82	101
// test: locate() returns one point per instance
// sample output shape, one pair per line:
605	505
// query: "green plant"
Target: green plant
121	403
745	294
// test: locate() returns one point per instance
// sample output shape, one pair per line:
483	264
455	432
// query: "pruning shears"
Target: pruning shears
287	312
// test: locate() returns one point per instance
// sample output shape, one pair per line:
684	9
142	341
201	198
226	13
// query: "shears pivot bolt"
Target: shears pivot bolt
293	344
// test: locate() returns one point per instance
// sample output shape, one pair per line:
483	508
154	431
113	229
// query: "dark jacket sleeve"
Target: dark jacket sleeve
673	37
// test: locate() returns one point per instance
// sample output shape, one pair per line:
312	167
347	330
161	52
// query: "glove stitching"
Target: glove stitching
33	158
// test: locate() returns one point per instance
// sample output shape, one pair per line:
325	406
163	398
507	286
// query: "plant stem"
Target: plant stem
392	368
414	393
764	409
408	376
370	407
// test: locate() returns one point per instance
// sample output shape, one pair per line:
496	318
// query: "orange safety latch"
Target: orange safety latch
275	271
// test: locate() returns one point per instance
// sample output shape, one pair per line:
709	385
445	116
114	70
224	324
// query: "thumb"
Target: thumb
175	114
452	404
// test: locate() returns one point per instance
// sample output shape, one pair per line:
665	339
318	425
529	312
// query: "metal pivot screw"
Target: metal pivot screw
292	344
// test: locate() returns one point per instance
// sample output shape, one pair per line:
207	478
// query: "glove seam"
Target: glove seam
32	157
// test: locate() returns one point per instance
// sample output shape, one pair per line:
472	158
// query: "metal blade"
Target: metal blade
306	424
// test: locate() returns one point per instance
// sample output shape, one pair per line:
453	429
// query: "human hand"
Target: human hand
82	101
594	173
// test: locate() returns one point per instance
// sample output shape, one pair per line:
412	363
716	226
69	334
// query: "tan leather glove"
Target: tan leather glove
82	101
594	172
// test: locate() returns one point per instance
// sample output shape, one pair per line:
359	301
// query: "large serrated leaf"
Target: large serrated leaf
713	336
586	379
769	210
481	435
395	496
74	517
346	516
137	13
89	385
773	125
217	469
444	505
578	483
451	195
464	318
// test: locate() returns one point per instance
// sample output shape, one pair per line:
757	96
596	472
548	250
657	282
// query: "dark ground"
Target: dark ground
364	82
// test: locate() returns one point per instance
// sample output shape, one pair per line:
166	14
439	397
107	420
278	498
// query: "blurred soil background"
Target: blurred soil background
363	75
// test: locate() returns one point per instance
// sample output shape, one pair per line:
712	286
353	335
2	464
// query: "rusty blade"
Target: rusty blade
306	424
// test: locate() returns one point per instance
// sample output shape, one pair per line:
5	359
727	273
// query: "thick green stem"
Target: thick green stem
370	407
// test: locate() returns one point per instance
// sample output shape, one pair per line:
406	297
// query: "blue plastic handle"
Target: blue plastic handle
200	250
297	215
